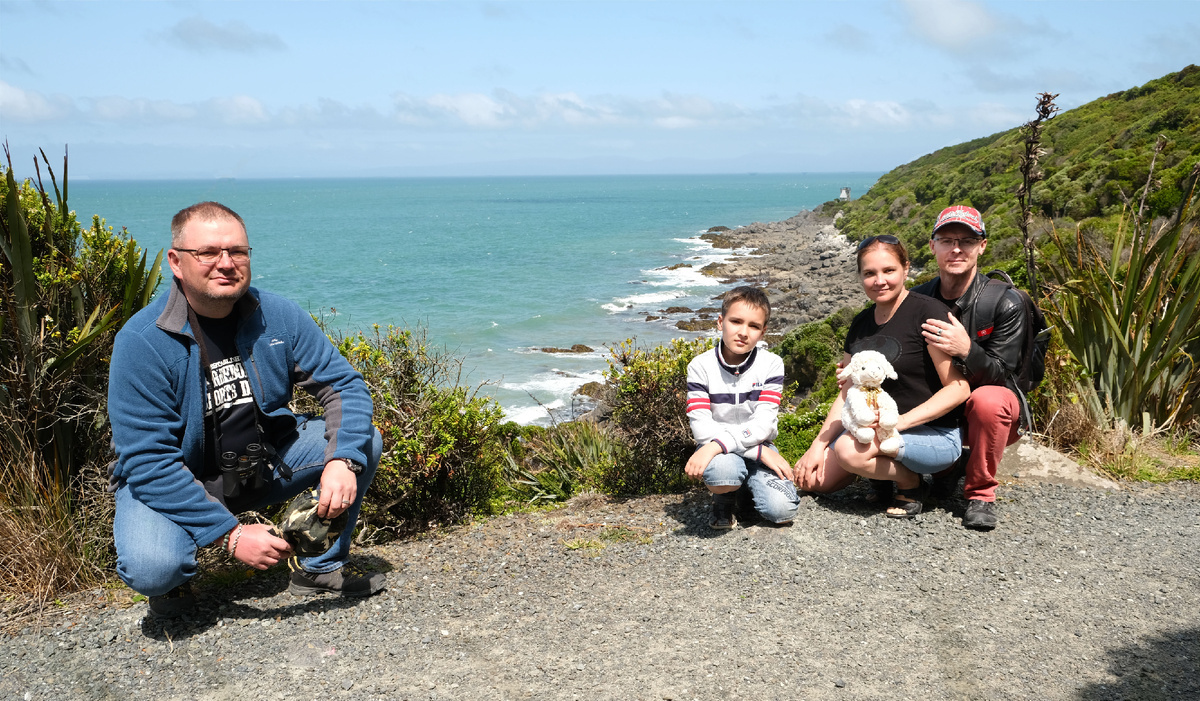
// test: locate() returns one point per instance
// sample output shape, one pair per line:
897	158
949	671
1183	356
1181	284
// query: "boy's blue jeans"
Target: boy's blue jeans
154	555
775	498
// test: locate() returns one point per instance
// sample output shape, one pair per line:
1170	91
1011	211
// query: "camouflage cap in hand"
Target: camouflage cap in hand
308	534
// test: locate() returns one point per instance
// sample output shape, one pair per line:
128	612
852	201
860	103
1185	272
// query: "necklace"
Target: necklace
890	310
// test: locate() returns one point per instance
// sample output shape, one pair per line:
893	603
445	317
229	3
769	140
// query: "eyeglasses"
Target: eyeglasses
961	244
208	256
884	238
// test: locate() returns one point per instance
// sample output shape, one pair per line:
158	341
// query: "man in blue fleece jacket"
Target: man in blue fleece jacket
204	374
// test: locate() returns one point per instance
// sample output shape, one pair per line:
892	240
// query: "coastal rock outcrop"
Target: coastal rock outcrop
807	268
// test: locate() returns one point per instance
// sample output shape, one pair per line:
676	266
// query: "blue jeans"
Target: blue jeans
154	555
775	499
929	449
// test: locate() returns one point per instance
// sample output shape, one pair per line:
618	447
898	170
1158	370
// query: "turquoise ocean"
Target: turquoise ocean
493	268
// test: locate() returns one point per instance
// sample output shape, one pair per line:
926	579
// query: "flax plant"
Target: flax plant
64	291
1132	317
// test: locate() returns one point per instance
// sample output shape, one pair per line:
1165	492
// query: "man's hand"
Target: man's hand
258	547
949	337
339	488
776	463
700	459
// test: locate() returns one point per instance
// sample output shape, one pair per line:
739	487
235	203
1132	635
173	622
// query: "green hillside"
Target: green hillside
1094	153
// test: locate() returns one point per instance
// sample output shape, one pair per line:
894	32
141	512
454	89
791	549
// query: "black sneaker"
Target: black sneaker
723	506
745	511
175	603
981	515
349	580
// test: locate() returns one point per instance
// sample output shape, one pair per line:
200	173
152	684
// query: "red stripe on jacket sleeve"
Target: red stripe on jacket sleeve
770	396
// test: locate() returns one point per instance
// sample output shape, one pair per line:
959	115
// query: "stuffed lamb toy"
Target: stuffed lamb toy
866	372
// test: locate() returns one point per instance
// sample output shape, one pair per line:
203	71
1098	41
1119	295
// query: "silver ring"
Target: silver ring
939	332
346	502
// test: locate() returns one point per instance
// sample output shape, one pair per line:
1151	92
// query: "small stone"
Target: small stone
347	684
840	683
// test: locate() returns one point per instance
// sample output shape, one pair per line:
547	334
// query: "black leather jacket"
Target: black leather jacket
995	358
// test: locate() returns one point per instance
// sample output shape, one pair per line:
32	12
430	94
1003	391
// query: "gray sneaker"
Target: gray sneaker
175	603
349	580
723	506
981	515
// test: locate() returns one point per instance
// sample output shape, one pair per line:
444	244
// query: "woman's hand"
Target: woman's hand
808	464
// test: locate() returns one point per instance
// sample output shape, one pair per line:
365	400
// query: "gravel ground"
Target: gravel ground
1080	594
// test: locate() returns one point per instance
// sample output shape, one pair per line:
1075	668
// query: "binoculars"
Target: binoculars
243	474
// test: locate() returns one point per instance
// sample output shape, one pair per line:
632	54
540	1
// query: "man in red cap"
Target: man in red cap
988	357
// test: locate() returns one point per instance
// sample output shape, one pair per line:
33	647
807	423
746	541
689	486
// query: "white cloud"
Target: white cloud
238	111
24	106
884	113
202	36
604	116
958	26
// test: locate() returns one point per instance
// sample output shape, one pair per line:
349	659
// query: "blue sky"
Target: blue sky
314	89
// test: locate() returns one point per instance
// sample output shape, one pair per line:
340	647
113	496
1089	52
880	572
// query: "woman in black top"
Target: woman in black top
928	389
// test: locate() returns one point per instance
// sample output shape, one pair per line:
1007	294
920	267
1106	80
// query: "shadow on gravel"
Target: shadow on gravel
223	603
1164	667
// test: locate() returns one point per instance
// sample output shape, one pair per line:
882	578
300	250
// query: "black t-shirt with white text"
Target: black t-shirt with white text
228	396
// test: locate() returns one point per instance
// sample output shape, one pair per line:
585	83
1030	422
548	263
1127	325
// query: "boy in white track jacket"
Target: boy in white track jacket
734	392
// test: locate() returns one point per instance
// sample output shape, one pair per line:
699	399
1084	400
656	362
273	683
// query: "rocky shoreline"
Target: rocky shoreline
806	267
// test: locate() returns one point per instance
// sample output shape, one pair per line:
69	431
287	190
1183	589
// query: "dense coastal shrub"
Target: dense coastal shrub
1096	157
798	428
810	353
65	290
649	415
443	443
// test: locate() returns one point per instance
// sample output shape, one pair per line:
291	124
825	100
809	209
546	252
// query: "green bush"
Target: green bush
810	354
64	292
797	429
443	444
650	416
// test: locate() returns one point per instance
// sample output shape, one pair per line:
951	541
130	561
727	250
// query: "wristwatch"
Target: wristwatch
355	467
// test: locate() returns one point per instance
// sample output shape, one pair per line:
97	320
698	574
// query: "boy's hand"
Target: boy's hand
700	459
778	465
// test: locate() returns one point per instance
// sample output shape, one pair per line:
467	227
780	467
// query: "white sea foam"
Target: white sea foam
526	415
555	390
650	298
681	277
556	382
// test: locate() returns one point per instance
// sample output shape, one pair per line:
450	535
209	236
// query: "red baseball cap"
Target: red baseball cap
961	214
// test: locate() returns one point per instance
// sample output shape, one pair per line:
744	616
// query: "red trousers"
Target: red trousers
993	416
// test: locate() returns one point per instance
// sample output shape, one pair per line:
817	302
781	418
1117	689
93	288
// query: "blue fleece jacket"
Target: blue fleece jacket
156	400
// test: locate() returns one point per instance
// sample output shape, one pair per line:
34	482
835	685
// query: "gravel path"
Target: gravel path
1080	594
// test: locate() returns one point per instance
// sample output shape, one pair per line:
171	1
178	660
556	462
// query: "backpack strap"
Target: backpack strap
983	320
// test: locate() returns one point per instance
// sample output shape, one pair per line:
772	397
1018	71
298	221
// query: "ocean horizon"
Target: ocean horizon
493	268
